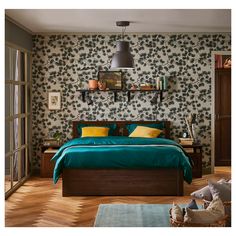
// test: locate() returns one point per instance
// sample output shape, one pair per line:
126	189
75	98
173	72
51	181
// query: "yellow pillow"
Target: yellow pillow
94	131
145	132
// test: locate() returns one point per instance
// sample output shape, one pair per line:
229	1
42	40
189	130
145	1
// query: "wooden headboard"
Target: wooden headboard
121	129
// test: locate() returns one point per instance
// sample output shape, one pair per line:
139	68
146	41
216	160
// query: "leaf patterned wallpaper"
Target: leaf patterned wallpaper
65	63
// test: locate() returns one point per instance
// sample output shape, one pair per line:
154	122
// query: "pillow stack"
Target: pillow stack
214	212
222	189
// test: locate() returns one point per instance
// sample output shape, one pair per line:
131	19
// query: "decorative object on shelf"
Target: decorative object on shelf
195	130
161	83
146	87
164	79
112	79
58	136
184	134
122	59
93	84
158	83
133	87
190	122
54	100
50	142
101	85
227	63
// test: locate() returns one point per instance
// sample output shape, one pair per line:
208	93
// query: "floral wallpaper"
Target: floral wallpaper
65	63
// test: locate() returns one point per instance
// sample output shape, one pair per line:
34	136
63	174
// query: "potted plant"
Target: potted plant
58	136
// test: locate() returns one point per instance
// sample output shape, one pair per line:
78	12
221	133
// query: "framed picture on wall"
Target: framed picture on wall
111	79
54	100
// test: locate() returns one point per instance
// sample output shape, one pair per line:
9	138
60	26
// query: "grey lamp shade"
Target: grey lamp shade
122	59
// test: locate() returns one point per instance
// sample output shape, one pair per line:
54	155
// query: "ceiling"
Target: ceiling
153	20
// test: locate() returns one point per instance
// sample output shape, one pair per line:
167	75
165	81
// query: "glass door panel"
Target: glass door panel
23	131
16	95
23	162
15	64
15	138
22	97
22	66
15	167
7	173
28	65
7	136
8	105
7	63
28	99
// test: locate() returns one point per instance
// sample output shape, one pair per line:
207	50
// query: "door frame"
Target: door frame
213	53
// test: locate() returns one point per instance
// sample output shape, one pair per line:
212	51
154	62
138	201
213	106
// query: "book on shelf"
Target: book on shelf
186	141
50	150
189	150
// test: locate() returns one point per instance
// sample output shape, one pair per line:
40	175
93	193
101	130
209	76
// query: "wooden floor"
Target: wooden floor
39	203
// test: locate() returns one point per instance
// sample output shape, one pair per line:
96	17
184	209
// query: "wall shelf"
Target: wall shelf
158	92
87	91
84	92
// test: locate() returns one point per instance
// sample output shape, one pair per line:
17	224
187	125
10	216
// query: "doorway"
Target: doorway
221	109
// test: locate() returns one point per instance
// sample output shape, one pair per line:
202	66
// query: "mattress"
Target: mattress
118	152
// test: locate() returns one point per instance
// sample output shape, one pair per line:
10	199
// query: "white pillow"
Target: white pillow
215	211
222	190
177	213
205	193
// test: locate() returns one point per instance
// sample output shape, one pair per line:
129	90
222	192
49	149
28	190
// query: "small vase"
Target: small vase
93	84
195	133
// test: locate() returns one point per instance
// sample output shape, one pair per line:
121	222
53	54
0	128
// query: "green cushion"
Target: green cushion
132	127
112	128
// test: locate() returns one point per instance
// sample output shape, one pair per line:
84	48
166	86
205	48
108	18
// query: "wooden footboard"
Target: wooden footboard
108	182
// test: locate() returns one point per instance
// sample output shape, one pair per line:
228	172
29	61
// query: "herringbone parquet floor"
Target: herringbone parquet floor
39	203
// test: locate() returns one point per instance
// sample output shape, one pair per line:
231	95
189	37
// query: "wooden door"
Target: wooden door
223	117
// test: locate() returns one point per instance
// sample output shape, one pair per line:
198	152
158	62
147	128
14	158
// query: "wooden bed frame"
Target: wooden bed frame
108	182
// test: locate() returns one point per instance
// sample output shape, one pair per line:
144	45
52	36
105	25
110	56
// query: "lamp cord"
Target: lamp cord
123	32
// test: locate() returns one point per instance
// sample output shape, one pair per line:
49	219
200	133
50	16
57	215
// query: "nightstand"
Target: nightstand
195	152
47	166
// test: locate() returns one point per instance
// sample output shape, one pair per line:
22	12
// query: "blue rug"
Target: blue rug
133	215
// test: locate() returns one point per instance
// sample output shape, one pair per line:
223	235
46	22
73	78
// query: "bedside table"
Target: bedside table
47	166
195	152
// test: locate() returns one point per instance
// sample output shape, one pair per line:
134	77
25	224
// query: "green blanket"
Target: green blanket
118	152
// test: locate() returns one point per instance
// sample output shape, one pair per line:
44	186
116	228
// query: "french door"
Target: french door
17	117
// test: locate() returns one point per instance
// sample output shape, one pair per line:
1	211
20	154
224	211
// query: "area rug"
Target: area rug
133	215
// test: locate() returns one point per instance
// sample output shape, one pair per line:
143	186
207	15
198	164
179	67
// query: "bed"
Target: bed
118	168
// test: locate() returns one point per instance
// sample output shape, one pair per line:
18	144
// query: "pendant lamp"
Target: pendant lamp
122	59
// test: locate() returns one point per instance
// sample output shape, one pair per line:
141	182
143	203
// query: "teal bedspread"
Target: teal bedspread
121	153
